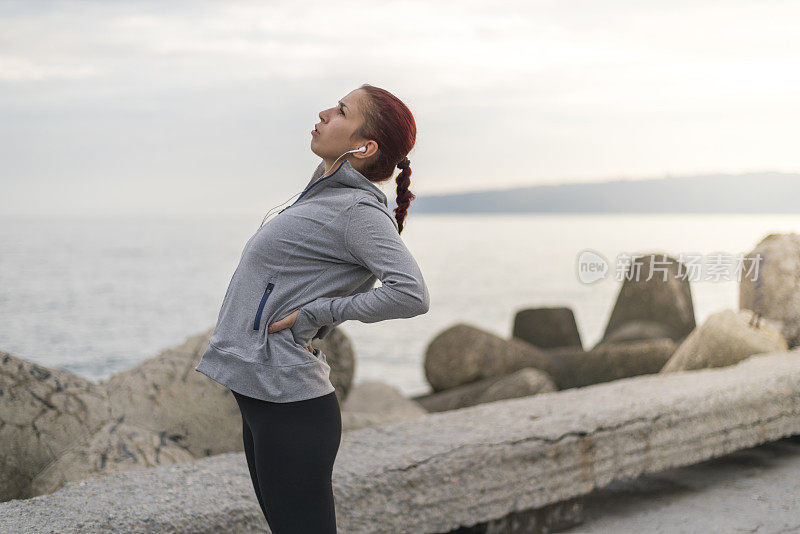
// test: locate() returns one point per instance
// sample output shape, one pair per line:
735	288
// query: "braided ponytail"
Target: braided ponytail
404	195
391	124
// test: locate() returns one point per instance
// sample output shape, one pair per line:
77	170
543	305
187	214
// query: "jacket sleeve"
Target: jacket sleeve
366	286
372	240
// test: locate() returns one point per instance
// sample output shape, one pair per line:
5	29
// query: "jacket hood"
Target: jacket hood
346	176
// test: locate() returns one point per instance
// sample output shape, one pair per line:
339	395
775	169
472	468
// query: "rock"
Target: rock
115	447
163	394
547	327
725	338
462	354
665	298
372	402
612	361
341	357
527	381
373	396
42	413
56	427
775	292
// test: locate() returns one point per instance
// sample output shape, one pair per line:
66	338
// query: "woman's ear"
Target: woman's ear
372	148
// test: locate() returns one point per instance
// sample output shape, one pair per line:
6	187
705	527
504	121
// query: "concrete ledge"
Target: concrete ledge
459	468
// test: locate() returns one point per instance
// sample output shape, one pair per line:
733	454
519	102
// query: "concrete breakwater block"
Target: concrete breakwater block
611	361
464	353
655	290
458	468
575	368
527	381
636	331
770	286
547	328
724	338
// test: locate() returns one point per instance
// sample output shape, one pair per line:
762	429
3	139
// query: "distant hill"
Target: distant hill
770	192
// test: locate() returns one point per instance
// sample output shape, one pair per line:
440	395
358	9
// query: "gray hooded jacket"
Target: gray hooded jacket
321	255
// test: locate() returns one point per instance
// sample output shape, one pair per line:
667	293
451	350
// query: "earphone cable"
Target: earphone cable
362	149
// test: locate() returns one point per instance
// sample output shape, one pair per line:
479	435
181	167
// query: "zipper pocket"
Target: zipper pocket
264	298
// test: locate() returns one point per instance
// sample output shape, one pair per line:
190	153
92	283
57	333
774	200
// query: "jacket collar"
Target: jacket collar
343	176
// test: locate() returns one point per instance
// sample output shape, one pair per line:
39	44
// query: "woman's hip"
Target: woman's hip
305	426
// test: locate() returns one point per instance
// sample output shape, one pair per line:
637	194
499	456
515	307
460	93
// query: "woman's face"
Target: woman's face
333	135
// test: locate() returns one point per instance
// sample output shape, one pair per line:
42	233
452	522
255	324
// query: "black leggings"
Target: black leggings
290	449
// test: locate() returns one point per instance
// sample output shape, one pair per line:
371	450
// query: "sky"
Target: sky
206	108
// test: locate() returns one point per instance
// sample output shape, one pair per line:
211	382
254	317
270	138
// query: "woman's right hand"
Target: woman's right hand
287	322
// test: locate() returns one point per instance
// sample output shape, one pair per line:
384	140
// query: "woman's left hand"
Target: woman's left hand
287	322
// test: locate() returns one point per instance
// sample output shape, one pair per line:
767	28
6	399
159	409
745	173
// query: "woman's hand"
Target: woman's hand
287	322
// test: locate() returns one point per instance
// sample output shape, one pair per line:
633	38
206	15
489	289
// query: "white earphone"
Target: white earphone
362	149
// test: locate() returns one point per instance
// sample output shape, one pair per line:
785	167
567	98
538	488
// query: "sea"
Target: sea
95	296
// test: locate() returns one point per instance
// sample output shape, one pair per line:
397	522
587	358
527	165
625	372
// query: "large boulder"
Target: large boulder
547	327
115	447
163	394
340	355
770	283
655	290
42	413
725	338
463	353
56	427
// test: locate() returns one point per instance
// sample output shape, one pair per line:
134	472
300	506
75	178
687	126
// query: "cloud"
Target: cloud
532	92
22	69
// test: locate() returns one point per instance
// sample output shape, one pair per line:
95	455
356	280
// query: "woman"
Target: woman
309	269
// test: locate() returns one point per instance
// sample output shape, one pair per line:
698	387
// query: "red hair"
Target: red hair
390	123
